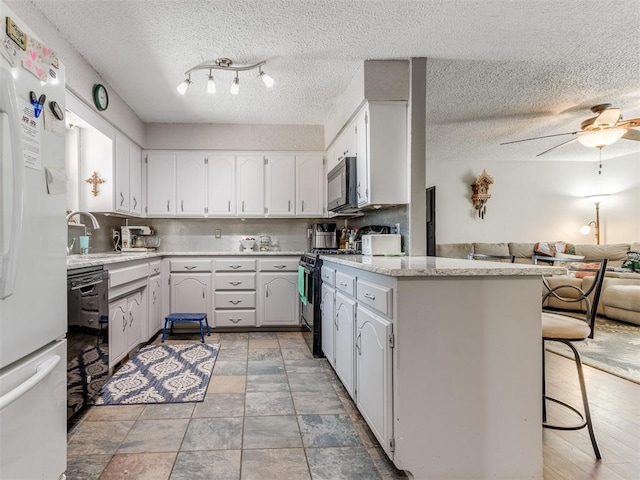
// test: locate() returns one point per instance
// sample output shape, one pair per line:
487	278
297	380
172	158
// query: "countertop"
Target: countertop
108	258
439	266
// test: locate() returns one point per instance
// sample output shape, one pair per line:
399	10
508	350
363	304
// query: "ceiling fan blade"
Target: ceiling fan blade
609	117
632	135
559	145
536	138
631	123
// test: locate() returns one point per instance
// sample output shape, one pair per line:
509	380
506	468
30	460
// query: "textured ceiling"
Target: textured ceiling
498	70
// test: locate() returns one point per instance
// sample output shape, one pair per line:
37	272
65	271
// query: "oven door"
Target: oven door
310	312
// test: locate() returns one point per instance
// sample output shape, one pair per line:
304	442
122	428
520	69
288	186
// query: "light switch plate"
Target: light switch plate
218	233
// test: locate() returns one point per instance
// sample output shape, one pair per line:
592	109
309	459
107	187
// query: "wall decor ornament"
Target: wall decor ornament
480	192
94	180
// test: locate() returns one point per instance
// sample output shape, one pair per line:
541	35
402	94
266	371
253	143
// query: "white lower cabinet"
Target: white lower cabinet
328	300
125	321
345	315
374	339
156	322
279	303
191	292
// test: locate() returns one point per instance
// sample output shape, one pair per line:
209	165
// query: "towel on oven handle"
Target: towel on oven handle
302	287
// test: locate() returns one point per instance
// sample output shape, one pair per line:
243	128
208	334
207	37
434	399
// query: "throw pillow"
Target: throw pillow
550	249
586	273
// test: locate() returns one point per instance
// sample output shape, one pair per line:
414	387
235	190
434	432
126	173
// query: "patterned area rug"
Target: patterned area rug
615	349
162	374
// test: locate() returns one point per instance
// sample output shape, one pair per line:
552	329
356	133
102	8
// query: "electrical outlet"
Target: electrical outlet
218	233
397	228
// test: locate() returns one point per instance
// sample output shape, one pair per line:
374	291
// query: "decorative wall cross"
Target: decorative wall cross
94	180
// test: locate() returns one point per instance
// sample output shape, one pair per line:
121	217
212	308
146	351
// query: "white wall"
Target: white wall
80	76
234	137
536	200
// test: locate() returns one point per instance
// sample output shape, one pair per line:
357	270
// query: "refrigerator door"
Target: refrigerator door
32	245
33	440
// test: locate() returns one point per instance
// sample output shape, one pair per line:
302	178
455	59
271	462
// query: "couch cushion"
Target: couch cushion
625	297
491	248
521	250
454	250
614	251
635	247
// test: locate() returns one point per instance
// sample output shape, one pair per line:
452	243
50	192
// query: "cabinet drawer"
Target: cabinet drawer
235	300
235	281
234	318
121	276
375	296
235	265
155	267
328	275
199	265
278	264
346	283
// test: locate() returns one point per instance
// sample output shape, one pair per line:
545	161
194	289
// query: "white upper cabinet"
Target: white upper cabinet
122	174
310	180
161	184
222	186
362	156
280	186
135	179
250	184
191	185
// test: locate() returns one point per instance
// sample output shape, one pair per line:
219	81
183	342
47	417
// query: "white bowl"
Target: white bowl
247	244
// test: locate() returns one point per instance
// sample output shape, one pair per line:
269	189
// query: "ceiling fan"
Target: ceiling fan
604	129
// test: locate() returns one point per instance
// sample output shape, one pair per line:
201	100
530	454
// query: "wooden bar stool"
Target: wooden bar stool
186	317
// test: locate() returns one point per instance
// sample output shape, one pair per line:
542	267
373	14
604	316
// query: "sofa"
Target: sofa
620	296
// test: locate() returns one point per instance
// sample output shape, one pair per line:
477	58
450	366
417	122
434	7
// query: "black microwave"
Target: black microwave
342	187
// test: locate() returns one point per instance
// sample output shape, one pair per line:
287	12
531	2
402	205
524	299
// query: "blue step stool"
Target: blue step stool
186	317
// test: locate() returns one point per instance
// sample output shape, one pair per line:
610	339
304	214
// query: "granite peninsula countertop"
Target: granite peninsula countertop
439	266
109	258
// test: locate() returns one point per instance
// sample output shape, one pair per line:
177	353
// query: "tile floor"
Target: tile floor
271	411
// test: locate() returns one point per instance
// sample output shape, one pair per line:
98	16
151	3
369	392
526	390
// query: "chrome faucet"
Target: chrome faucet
94	222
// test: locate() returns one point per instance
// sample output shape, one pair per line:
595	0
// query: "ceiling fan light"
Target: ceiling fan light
267	79
235	86
211	85
182	88
601	138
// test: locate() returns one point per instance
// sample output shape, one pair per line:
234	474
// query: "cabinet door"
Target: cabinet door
327	306
345	340
121	200
191	293
279	299
135	179
161	184
373	367
155	305
362	154
222	185
190	185
310	180
250	185
118	321
136	320
280	188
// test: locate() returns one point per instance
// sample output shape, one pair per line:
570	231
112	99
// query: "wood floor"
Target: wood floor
615	409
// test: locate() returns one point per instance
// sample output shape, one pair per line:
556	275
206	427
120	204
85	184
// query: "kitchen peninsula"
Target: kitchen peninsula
443	359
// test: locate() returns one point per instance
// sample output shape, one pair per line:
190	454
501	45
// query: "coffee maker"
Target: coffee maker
139	239
324	235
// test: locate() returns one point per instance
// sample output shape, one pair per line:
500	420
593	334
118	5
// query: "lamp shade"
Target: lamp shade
601	138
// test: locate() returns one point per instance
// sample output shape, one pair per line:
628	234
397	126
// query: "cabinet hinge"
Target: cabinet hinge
266	160
146	159
356	129
206	160
145	210
266	210
366	118
206	209
392	340
324	160
392	445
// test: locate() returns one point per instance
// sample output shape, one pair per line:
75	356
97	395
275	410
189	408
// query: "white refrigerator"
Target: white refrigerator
33	311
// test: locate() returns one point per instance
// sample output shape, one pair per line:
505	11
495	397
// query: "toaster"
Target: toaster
380	244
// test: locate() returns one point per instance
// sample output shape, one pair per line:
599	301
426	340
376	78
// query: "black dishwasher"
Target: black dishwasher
87	335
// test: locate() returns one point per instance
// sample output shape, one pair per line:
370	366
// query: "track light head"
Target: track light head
182	88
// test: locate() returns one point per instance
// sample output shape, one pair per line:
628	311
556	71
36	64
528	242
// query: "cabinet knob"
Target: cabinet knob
189	267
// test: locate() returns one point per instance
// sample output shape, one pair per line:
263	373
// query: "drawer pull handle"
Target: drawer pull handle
235	284
234	320
369	296
190	267
235	302
121	199
279	267
235	267
344	284
156	270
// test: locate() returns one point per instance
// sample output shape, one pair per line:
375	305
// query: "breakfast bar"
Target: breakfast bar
446	366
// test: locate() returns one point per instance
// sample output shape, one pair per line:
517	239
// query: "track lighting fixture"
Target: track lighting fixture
225	64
